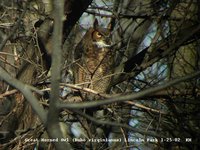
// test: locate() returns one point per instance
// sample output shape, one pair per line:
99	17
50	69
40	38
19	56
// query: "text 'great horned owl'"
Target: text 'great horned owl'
94	59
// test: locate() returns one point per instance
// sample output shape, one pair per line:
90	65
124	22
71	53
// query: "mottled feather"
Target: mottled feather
94	60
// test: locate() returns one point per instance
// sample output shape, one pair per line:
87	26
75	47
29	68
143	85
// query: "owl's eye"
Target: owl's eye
99	35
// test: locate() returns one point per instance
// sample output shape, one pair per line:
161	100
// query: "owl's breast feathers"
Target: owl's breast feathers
94	68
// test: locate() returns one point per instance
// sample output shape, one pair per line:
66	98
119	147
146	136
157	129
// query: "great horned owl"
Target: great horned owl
94	59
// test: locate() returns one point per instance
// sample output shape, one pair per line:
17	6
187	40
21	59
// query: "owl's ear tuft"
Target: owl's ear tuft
96	23
111	25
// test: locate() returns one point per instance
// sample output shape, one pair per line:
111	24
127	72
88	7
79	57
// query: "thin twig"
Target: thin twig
14	29
145	107
26	91
116	124
7	93
133	96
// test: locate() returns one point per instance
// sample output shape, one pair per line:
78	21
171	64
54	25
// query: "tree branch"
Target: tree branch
116	124
133	96
53	127
26	91
14	29
136	64
73	11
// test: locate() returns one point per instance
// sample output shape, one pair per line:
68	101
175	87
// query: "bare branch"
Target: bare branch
116	124
53	127
131	96
145	107
14	29
26	91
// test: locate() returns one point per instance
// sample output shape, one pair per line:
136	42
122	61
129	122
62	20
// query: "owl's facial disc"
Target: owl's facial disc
100	39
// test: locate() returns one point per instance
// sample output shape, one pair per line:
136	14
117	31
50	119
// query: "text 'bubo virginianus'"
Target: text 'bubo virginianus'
94	59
